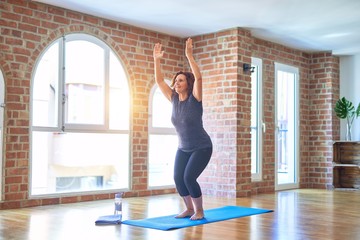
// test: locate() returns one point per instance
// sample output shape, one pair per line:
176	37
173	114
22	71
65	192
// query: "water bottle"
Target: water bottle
118	204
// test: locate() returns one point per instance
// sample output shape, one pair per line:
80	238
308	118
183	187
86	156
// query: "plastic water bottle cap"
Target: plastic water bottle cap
118	195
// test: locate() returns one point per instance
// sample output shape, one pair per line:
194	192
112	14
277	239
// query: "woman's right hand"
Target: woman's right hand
158	53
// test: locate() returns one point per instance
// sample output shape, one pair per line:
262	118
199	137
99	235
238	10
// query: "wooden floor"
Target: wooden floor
298	214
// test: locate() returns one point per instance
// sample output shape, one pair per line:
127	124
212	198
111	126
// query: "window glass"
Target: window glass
162	149
163	141
286	126
161	111
119	96
89	160
84	83
46	89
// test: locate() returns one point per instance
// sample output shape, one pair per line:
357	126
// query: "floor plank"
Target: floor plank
298	214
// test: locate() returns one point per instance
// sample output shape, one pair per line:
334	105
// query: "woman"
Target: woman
195	146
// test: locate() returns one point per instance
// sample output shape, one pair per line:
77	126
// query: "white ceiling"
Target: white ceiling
310	25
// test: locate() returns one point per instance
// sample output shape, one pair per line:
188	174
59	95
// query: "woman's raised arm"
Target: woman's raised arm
159	78
197	90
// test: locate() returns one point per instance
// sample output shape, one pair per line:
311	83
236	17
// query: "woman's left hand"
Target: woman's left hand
189	48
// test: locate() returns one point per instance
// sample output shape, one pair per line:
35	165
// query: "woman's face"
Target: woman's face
181	85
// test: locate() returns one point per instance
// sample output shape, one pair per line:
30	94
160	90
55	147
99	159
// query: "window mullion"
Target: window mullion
107	88
61	92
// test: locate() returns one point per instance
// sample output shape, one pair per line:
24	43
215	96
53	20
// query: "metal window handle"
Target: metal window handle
3	105
264	127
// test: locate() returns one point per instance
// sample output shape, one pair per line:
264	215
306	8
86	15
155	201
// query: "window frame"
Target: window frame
73	127
260	125
157	131
2	107
295	71
82	126
60	126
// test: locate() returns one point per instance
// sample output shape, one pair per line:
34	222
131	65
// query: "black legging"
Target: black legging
188	167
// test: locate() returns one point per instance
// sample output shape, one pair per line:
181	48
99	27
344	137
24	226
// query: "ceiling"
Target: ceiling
309	25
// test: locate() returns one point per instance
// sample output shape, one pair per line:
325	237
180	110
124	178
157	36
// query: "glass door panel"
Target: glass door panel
286	127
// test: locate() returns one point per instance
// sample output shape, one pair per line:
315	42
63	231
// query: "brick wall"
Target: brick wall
227	95
27	28
323	124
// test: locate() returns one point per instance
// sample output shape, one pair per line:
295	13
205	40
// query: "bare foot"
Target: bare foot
197	215
186	213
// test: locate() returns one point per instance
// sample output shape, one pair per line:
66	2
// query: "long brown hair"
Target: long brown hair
190	79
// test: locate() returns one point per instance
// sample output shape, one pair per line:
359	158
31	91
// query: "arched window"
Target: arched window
163	141
80	118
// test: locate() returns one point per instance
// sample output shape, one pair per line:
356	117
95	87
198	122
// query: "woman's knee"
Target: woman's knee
178	178
189	180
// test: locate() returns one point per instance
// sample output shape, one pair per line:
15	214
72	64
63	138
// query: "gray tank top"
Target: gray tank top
187	120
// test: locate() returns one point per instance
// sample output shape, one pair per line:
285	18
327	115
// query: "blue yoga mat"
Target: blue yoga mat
212	215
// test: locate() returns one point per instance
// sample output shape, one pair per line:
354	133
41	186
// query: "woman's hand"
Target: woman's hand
158	53
189	48
197	89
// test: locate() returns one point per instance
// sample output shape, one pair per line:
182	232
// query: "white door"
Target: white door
2	105
286	127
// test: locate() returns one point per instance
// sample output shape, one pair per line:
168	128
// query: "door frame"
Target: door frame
2	107
260	125
295	70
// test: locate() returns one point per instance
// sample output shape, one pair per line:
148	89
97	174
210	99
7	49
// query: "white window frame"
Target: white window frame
80	128
2	107
260	125
94	127
158	131
294	70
